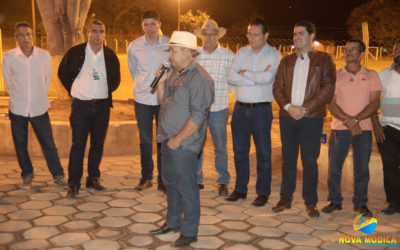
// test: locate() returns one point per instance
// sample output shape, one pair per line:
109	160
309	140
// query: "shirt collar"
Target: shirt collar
91	52
362	70
159	41
190	66
203	51
18	52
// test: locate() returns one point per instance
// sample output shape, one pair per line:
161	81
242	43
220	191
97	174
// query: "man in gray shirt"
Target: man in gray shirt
185	97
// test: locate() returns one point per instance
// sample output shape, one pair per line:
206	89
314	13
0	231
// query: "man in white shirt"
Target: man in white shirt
387	131
90	72
145	55
27	71
252	73
216	60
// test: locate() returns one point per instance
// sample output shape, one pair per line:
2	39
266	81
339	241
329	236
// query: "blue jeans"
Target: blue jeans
42	128
339	143
87	118
145	114
256	122
305	133
217	125
179	177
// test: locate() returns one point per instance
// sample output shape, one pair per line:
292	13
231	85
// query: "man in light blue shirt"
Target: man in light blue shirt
252	73
145	55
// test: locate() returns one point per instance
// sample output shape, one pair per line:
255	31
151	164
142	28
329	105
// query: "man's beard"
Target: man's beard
397	61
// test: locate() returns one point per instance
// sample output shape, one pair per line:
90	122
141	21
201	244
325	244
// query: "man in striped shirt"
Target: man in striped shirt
216	60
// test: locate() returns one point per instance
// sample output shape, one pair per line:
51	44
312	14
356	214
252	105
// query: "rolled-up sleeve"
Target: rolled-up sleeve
200	97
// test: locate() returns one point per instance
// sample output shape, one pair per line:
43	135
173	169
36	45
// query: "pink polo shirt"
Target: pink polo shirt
352	93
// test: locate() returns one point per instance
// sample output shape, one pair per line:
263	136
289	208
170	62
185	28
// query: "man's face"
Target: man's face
256	37
178	57
96	34
209	37
352	53
301	38
396	54
150	27
23	35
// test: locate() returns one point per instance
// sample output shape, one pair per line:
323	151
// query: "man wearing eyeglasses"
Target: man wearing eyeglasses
90	72
252	74
216	61
356	98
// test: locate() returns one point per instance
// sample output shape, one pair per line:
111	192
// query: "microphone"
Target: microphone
166	65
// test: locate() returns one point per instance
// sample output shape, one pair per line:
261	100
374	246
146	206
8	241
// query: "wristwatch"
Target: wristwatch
357	119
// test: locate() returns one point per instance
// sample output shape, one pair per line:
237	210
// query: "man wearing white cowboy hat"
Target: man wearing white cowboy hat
185	97
216	60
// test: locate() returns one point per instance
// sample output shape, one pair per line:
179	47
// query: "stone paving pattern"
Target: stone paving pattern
120	217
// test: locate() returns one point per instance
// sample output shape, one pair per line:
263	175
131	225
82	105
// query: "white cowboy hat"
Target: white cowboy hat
210	24
183	39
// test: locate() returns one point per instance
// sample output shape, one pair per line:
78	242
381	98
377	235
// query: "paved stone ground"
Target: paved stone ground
120	218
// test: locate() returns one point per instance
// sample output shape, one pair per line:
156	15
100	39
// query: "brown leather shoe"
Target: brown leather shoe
281	205
162	188
95	185
312	210
184	241
260	201
72	192
222	189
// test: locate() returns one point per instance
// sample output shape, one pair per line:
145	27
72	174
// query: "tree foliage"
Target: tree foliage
190	21
121	17
383	17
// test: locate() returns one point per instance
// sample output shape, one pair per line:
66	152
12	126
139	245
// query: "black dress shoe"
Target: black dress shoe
331	207
260	201
363	210
222	189
235	195
201	186
162	188
184	241
163	230
281	205
95	185
312	211
72	192
391	209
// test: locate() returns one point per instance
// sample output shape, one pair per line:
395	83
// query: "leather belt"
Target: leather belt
252	105
93	101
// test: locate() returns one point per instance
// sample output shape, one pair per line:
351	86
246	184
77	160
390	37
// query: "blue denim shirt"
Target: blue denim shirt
187	96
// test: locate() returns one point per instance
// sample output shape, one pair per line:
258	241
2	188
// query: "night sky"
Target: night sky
329	16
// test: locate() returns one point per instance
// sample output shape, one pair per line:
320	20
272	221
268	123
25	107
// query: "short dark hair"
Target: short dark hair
260	21
151	14
361	44
97	22
308	25
22	24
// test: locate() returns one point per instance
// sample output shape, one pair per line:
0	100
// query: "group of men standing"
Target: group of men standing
193	94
